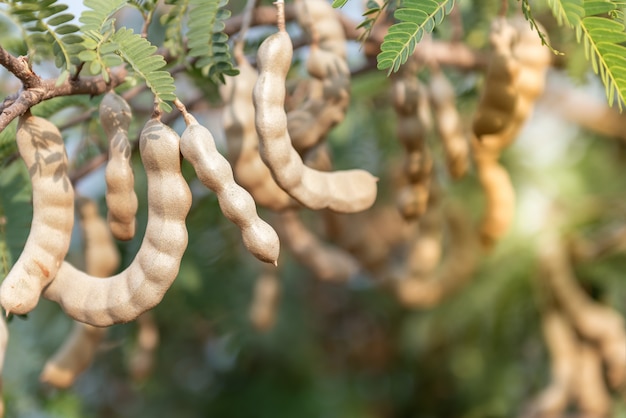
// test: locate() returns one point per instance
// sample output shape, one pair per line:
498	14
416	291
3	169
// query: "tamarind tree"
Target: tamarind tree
306	208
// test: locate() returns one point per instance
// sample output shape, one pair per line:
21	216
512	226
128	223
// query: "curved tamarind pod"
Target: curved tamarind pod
198	147
262	312
74	356
426	250
341	191
242	142
4	340
115	117
326	262
448	124
141	286
41	147
101	260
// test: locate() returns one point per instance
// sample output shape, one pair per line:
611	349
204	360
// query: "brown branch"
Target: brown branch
47	89
19	67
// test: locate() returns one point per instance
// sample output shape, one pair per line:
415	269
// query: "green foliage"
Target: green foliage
139	53
533	24
372	13
49	32
173	21
416	18
598	26
207	41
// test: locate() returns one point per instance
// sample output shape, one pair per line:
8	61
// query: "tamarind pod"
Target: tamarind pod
564	351
115	117
341	191
454	272
142	285
500	202
425	250
262	311
41	147
74	357
320	17
242	142
141	359
412	200
592	395
101	260
198	147
4	340
327	263
101	255
448	124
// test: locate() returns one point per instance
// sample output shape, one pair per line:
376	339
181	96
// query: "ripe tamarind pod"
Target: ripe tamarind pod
342	191
320	22
499	99
591	394
101	260
41	147
453	273
115	118
328	263
564	349
499	201
141	359
262	311
448	124
426	249
198	147
242	142
73	357
4	340
101	255
141	286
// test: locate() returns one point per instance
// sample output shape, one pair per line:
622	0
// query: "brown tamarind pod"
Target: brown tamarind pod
142	285
264	305
341	191
141	361
198	147
101	260
242	142
328	263
42	149
75	355
320	22
591	394
115	118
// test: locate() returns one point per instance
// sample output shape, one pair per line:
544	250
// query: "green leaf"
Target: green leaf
339	3
416	18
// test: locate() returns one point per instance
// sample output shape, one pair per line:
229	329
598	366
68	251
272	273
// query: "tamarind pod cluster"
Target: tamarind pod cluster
141	360
141	286
369	236
327	262
262	311
198	147
448	124
41	147
101	260
329	90
4	340
453	273
242	142
412	198
342	191
115	118
73	357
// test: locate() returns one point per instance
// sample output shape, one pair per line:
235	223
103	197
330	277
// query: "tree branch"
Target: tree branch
48	89
19	67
